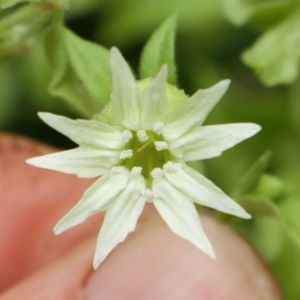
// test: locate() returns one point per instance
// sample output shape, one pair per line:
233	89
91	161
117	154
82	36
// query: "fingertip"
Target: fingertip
153	263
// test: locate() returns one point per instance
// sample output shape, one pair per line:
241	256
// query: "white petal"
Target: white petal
180	215
120	218
85	132
154	100
95	199
82	161
125	97
210	141
193	111
203	191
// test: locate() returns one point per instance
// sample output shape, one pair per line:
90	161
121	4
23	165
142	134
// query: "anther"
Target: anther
161	146
126	135
142	136
126	154
135	172
157	173
158	127
170	167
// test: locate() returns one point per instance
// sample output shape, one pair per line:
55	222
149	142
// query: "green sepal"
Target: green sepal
159	50
81	71
252	177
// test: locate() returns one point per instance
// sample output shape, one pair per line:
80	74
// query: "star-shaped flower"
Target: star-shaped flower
140	155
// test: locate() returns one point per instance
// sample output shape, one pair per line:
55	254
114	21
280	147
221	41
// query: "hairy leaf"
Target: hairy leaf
159	50
81	72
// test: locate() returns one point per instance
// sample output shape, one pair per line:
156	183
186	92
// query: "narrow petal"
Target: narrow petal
125	97
180	214
82	161
154	100
201	190
91	133
95	199
193	111
120	218
210	141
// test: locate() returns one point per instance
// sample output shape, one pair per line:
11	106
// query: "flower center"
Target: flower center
147	150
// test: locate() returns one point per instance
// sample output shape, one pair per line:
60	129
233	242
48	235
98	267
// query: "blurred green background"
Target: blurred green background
211	37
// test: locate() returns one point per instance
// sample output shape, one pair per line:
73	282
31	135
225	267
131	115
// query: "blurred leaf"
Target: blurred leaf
20	16
82	7
20	39
287	271
252	177
263	13
8	3
20	27
159	50
81	72
290	212
270	186
259	206
196	165
275	56
287	211
9	102
121	29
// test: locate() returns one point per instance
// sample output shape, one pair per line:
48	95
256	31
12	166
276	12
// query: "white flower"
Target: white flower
141	158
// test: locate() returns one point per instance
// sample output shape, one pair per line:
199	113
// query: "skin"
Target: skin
152	263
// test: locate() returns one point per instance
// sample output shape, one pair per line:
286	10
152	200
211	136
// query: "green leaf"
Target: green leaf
81	72
9	3
275	57
263	13
287	211
290	212
251	179
270	186
259	206
159	50
91	64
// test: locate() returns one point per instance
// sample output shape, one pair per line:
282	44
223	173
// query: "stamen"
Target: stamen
135	172
126	135
157	173
126	154
142	136
170	167
158	127
161	146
